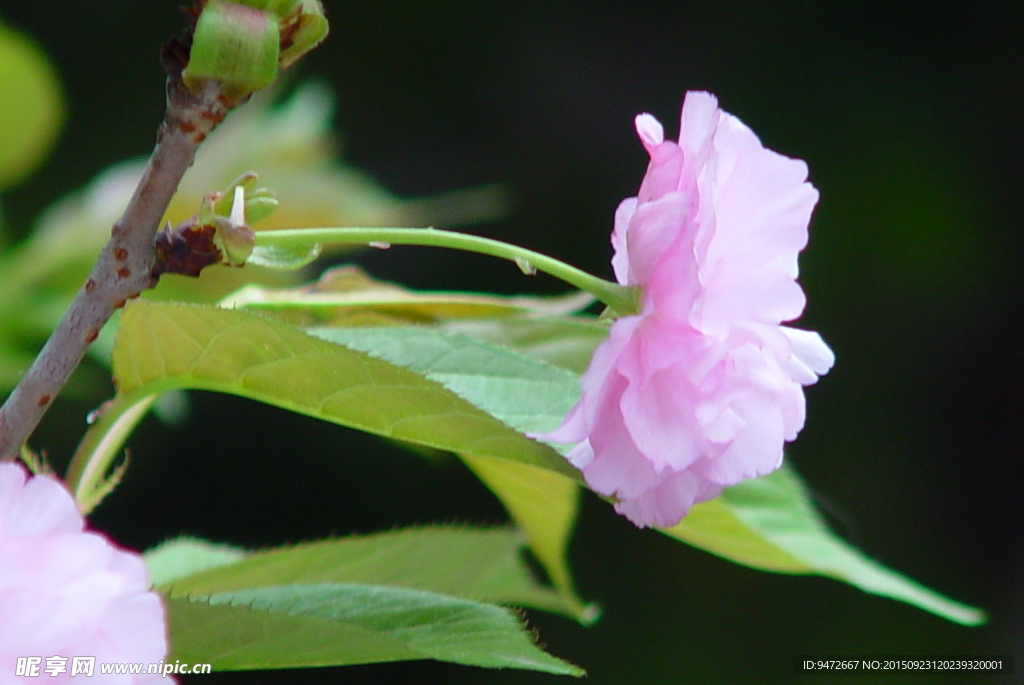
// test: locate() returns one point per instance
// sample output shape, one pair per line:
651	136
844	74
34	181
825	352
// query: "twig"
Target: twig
125	267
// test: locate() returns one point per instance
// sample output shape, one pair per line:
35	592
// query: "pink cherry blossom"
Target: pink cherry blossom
66	591
702	388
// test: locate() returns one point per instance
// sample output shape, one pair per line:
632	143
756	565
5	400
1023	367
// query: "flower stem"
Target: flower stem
620	299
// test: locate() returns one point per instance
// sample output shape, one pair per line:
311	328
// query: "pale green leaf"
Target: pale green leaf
714	527
325	624
187	556
348	290
770	523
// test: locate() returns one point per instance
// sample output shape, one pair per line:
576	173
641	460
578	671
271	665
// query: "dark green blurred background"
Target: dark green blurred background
909	115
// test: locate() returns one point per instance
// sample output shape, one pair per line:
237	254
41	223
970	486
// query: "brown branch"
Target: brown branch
125	267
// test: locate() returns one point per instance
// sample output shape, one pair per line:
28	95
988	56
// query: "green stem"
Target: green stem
621	299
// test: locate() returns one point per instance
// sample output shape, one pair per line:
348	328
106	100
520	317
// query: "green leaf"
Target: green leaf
467	398
771	524
524	393
543	505
410	594
327	624
31	109
165	346
714	527
240	637
478	564
565	341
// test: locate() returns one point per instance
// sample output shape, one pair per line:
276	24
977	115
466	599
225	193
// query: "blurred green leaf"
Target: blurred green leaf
31	109
770	523
332	624
292	146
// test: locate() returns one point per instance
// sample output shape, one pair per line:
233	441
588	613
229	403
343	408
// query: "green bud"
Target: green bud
235	44
221	202
259	202
230	213
302	32
237	242
234	235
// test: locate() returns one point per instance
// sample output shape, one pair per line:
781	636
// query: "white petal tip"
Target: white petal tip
810	350
649	129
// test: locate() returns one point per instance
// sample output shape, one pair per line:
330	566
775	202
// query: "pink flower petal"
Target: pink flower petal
703	388
66	591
